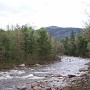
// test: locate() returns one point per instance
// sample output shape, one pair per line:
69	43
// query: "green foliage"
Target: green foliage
88	49
24	45
70	45
78	46
44	45
88	46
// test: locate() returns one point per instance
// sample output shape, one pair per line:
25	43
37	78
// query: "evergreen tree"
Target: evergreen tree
26	45
44	45
82	46
72	44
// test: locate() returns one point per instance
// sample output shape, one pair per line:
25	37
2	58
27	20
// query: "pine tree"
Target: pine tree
44	45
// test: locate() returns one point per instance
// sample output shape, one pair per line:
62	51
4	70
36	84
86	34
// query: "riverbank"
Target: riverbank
82	82
9	65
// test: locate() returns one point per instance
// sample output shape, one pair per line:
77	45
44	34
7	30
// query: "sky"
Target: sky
43	13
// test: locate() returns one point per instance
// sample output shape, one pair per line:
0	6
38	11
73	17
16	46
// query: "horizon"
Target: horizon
10	27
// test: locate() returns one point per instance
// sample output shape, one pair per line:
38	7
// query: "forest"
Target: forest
78	45
25	45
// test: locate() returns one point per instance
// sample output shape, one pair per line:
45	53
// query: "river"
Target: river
14	78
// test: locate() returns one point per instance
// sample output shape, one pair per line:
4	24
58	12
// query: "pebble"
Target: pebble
22	88
48	88
37	88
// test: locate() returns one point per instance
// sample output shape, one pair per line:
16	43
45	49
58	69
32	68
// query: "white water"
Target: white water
10	74
68	65
16	75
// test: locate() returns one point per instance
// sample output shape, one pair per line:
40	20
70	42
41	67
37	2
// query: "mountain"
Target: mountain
61	33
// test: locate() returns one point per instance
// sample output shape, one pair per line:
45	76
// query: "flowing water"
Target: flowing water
66	66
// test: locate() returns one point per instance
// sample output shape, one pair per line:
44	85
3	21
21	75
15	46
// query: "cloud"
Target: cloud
42	12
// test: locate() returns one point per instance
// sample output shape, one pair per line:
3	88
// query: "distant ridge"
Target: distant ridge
61	32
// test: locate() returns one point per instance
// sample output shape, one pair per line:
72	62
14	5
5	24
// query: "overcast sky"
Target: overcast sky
42	13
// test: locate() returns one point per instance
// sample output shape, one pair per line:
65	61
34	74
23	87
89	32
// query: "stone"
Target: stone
45	80
33	85
48	88
22	65
83	75
56	75
56	88
37	88
22	88
71	76
83	70
66	88
38	65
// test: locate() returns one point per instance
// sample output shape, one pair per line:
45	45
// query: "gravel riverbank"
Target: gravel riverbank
82	82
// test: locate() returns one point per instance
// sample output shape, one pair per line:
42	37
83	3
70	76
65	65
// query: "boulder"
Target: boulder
71	76
56	75
83	70
67	88
22	65
33	85
38	65
48	88
37	88
21	88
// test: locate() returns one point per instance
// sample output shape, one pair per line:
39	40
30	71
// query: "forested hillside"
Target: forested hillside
61	33
73	41
78	46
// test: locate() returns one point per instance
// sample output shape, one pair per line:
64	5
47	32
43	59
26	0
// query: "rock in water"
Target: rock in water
56	75
37	65
48	88
22	65
71	76
22	88
83	70
37	88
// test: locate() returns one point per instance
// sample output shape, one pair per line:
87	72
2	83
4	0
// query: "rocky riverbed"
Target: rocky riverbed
70	73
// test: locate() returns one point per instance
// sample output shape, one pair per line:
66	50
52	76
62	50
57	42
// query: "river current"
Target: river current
66	66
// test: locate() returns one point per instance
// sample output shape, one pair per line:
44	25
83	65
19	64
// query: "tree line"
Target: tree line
78	45
26	45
